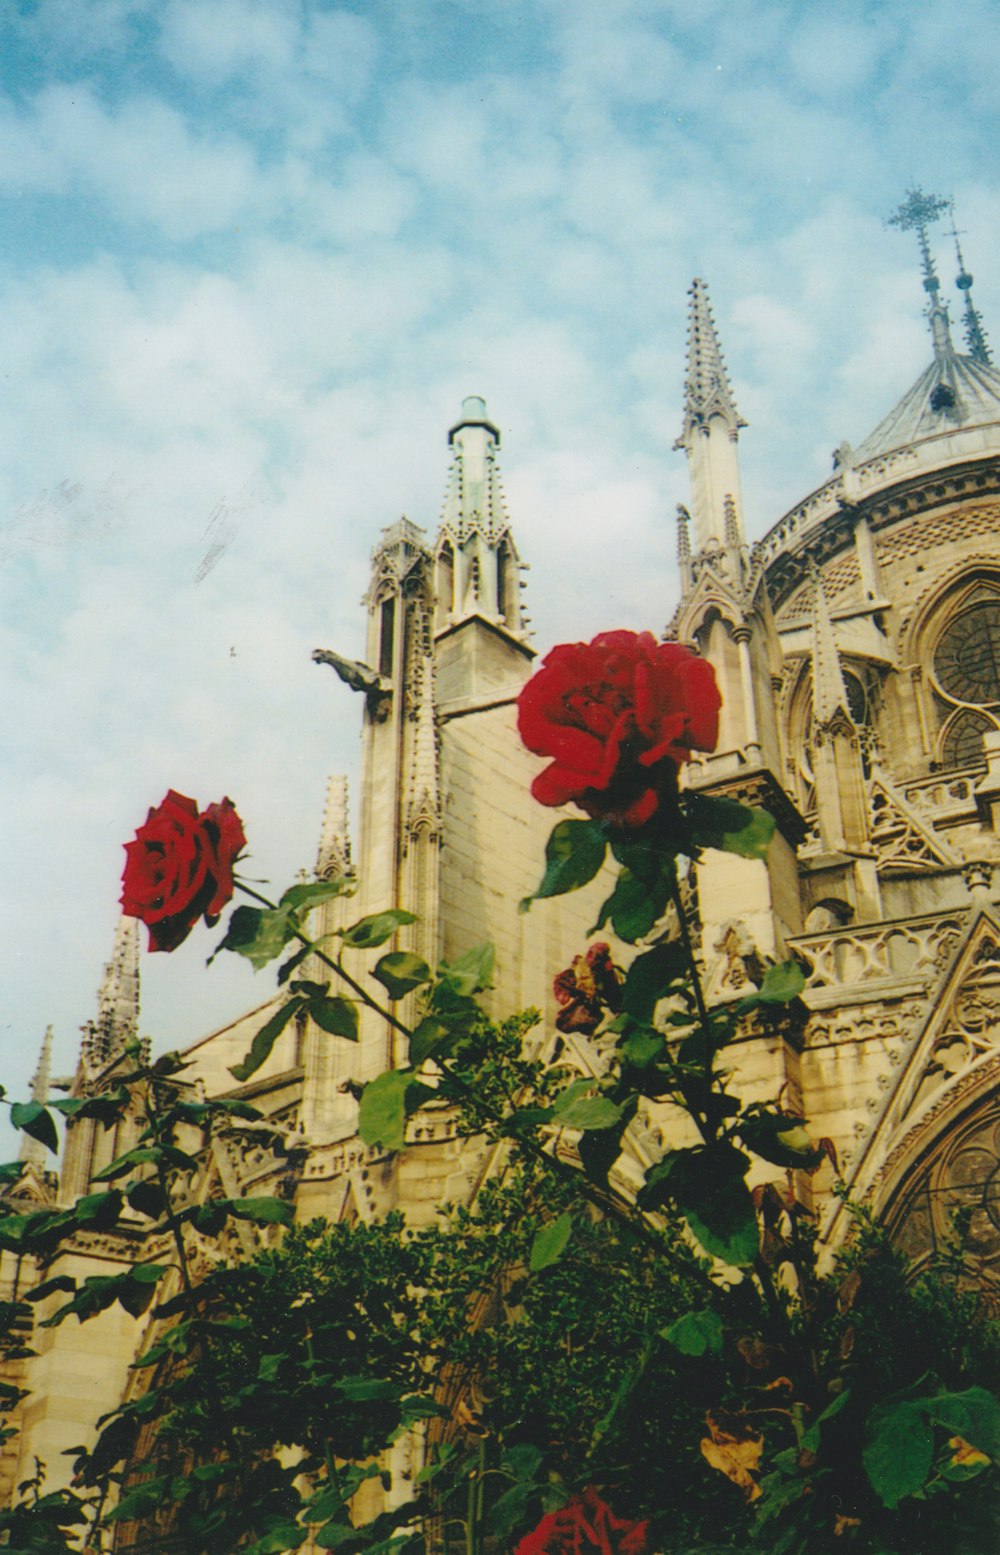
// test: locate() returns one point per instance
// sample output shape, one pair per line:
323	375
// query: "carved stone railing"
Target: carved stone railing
901	952
945	795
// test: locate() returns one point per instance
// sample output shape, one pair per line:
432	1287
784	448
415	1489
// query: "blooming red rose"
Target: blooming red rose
180	867
586	1524
617	715
592	984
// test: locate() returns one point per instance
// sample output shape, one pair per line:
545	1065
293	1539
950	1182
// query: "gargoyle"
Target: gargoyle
360	677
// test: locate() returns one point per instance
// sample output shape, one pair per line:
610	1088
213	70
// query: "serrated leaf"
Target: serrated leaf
696	1333
32	1118
728	826
550	1243
335	1014
400	972
898	1450
376	928
267	1036
573	854
259	933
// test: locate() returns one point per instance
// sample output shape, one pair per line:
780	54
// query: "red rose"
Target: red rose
592	984
587	1523
180	866
617	715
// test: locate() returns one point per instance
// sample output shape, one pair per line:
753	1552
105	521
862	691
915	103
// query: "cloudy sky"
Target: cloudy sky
256	252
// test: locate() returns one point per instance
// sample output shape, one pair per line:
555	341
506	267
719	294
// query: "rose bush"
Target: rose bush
617	715
586	1523
179	867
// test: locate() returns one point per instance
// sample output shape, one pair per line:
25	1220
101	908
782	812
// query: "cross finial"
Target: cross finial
915	214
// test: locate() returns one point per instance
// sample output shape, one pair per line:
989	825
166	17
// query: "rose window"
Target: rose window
965	674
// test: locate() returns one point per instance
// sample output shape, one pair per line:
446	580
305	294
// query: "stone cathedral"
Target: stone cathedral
857	646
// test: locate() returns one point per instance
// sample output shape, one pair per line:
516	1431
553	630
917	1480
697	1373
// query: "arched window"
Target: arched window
964	674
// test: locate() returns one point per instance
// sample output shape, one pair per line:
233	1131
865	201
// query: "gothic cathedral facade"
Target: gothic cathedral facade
857	646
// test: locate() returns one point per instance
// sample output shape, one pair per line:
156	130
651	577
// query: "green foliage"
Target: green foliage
728	826
573	854
550	1243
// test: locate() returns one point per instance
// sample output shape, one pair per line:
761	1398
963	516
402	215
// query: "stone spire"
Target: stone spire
117	1019
975	334
710	431
477	573
333	858
33	1152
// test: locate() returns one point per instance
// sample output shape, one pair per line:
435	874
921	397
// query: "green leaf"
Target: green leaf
146	1198
636	905
898	1450
141	1501
650	976
279	1539
707	1185
259	933
728	826
974	1415
377	928
99	1210
263	1212
401	971
32	1118
779	1138
696	1332
312	892
599	1149
428	1039
267	1036
573	855
367	1390
642	1047
472	972
582	1111
386	1102
335	1014
550	1243
811	1439
782	984
522	1462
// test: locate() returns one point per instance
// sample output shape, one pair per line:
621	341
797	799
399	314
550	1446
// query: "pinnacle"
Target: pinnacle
707	390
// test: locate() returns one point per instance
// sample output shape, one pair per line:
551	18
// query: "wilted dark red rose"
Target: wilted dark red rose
586	1524
586	989
617	715
180	867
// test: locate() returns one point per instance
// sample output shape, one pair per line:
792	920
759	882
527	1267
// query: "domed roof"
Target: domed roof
954	391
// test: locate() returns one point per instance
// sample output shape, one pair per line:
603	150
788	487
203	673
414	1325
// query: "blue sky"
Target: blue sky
255	254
